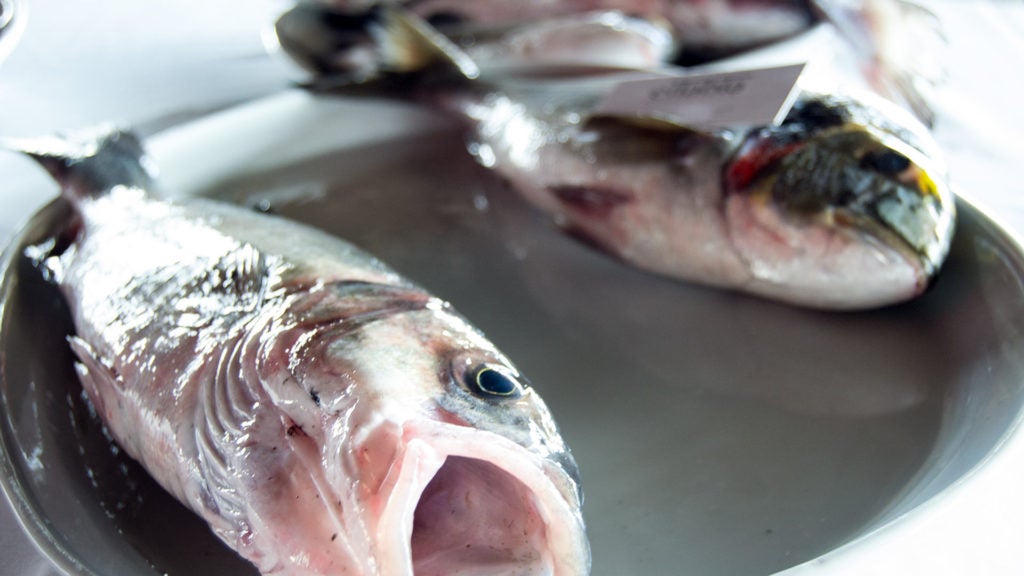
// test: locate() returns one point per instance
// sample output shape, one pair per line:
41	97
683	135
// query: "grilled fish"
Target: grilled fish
323	414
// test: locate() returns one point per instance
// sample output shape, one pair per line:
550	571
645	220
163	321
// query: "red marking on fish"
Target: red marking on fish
595	201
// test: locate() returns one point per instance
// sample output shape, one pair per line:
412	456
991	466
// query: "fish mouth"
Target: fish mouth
474	517
858	187
466	503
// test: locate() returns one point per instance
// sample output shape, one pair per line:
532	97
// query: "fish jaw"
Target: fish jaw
387	432
839	206
817	262
459	501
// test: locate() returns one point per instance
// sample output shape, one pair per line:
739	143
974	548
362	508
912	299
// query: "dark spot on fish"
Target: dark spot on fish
443	18
315	397
816	114
595	201
294	430
887	162
334	537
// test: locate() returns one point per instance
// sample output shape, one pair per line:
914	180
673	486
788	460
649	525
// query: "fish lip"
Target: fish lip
424	449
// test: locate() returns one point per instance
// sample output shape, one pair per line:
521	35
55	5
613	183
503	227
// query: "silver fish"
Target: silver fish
701	29
323	414
896	42
358	46
839	207
845	205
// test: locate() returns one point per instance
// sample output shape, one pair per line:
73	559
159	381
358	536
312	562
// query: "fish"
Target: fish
844	205
323	414
881	35
701	29
355	44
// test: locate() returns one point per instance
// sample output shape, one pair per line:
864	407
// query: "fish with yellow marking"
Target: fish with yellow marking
843	205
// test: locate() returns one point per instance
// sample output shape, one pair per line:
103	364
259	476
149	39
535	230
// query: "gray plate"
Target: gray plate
716	432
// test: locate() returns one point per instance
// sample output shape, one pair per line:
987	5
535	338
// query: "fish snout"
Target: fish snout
848	209
854	178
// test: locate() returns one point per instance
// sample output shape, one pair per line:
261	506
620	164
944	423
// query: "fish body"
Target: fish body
323	414
698	27
842	206
896	44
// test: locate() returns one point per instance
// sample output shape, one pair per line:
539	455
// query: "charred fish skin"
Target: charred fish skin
323	414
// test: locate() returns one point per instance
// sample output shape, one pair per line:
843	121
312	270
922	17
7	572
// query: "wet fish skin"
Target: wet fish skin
846	205
322	413
709	27
843	206
359	47
896	43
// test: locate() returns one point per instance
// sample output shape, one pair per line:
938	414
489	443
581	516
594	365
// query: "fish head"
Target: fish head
452	455
845	203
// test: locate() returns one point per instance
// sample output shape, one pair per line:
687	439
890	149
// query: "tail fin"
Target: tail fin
342	48
89	163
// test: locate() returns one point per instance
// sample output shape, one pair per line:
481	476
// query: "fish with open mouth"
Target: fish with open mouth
844	205
324	415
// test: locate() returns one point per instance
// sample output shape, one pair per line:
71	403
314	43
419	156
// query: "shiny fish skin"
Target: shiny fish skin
845	205
709	27
324	415
801	213
896	44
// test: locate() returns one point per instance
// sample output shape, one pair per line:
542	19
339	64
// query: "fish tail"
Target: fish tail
384	43
89	163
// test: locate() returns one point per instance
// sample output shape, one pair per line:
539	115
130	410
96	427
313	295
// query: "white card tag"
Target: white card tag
721	100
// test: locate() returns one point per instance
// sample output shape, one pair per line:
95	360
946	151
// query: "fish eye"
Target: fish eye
886	162
492	382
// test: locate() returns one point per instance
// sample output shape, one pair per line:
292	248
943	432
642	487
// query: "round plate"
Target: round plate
715	431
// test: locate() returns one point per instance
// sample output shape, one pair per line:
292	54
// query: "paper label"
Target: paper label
721	100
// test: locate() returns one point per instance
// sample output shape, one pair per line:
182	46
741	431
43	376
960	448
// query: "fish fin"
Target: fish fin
345	49
91	162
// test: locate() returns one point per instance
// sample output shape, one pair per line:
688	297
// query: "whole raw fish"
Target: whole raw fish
324	415
845	205
895	42
701	29
842	206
